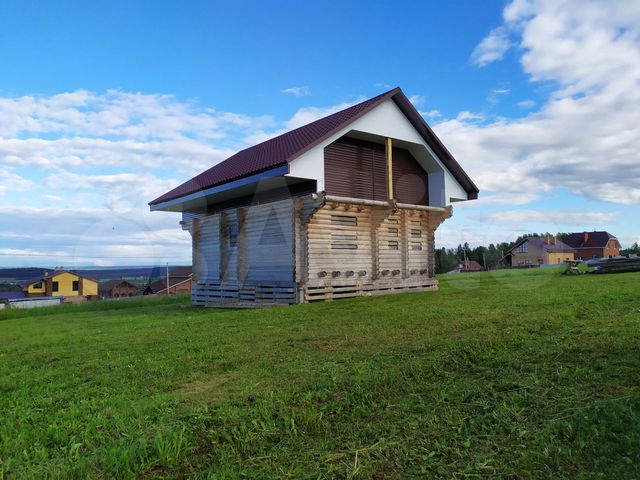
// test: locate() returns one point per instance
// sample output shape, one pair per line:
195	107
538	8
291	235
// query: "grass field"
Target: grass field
498	375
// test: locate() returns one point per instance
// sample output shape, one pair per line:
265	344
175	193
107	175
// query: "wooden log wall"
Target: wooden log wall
206	248
353	250
339	244
417	243
244	255
388	244
305	250
268	247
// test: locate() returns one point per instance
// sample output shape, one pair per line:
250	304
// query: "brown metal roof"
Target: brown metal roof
469	265
552	245
281	150
593	239
53	274
111	284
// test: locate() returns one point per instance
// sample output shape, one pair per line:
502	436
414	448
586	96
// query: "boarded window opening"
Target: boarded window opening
355	168
393	245
393	232
410	180
416	245
416	233
344	241
344	220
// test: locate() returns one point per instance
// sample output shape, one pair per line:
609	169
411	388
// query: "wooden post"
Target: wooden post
390	169
242	244
224	245
195	245
404	242
378	216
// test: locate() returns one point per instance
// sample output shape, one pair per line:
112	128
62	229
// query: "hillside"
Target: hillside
103	273
501	375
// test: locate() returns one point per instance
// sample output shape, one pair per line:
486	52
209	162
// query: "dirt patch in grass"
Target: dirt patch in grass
211	391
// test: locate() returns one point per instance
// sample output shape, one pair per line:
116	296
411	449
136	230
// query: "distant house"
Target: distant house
178	284
62	284
588	245
118	289
536	251
467	266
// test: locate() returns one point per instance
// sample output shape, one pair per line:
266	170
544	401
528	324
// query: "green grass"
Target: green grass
498	375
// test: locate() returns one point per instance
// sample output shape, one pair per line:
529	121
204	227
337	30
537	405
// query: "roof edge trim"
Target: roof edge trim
240	182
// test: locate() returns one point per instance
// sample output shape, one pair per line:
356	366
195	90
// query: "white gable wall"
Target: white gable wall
386	120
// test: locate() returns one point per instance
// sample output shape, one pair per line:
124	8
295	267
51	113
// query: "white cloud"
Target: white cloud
466	116
118	129
121	192
528	219
507	197
586	137
431	114
298	91
493	47
115	113
497	93
310	114
10	182
526	104
417	100
301	117
187	155
86	165
92	236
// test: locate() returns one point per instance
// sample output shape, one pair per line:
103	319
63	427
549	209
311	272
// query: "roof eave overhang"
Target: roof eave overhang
434	142
177	204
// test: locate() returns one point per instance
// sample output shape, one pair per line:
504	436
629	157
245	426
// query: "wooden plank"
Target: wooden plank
242	243
389	155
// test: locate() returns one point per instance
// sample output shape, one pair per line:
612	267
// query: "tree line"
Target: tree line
489	256
633	250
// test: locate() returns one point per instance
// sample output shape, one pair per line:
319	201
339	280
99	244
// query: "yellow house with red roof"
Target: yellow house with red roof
62	284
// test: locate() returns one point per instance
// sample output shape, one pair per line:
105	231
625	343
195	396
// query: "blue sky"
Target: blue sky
105	105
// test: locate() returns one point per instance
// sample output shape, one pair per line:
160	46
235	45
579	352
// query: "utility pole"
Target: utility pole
168	278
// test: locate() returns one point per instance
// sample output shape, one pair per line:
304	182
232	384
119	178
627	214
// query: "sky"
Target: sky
106	105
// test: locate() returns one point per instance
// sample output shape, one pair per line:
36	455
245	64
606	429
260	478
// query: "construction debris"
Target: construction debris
616	265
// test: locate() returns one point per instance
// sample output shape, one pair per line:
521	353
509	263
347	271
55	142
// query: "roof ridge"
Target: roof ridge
280	150
306	125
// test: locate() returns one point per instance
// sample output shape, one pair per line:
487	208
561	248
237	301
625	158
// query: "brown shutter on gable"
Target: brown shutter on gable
355	169
410	180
